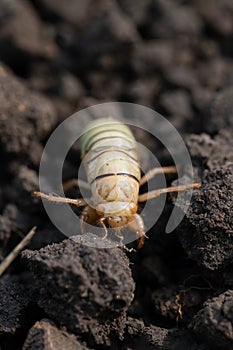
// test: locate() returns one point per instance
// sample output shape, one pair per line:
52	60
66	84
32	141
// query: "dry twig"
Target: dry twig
15	252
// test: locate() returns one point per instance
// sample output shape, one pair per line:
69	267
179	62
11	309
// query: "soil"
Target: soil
175	57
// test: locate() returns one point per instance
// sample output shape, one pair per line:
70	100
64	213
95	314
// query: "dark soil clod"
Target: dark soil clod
213	323
45	335
94	285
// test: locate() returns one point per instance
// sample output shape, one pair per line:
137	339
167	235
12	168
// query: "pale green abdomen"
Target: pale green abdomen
108	148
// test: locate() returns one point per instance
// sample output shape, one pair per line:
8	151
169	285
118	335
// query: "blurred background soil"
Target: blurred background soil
174	56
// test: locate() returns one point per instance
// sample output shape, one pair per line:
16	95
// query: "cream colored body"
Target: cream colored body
111	163
109	154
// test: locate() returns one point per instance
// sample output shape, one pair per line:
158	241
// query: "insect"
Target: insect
108	150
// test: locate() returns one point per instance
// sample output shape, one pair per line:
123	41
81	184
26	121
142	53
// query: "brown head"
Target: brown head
117	214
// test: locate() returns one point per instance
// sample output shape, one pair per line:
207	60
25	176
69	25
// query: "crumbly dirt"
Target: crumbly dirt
175	57
70	273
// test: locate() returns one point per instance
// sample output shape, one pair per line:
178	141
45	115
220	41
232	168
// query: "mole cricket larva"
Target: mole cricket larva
108	149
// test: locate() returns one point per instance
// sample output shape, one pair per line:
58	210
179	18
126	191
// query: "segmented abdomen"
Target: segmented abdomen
109	152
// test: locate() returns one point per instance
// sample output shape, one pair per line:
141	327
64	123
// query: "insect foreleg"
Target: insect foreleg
88	215
155	171
119	235
78	202
101	221
156	193
137	226
68	185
